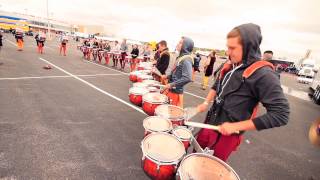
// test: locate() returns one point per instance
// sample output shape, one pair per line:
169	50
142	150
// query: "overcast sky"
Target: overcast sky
289	27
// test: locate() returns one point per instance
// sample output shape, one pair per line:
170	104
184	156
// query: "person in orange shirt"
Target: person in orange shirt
19	39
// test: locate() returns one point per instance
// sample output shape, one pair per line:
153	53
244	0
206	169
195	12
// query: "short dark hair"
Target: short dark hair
268	51
235	33
163	43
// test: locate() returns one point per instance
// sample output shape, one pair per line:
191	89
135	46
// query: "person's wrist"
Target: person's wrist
206	102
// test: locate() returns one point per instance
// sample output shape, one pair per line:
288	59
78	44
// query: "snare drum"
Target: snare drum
151	83
153	89
184	134
135	95
151	101
141	77
201	166
161	154
156	124
140	84
133	76
145	66
174	113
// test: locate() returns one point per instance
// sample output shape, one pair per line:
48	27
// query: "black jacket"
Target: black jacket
163	61
135	52
236	101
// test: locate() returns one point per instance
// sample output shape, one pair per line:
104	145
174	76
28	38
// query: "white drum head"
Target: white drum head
155	98
139	84
170	111
203	167
182	133
157	124
163	147
138	91
151	82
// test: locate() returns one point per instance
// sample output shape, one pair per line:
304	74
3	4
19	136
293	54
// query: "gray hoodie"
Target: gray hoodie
239	96
181	74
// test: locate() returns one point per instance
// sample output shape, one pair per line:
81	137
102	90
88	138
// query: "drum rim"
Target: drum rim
155	82
184	128
133	85
209	156
144	100
146	75
150	130
159	162
172	119
139	94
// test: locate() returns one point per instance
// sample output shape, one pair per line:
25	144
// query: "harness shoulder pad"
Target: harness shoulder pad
255	66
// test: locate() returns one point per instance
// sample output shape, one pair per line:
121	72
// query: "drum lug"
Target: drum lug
191	128
208	151
158	168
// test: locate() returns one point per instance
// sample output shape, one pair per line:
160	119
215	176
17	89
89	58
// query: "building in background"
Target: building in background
91	29
10	22
34	23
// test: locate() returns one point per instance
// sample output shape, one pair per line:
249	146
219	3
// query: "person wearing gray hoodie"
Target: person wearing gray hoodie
181	73
236	96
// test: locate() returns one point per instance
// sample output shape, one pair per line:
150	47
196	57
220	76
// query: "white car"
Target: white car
315	88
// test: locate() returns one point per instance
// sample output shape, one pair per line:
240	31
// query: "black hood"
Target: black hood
187	46
251	40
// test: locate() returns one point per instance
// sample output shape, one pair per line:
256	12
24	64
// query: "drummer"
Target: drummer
19	39
123	50
236	98
107	49
134	55
63	44
116	50
181	73
85	45
163	61
146	52
100	50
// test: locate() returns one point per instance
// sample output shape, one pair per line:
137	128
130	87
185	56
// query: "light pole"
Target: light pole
49	35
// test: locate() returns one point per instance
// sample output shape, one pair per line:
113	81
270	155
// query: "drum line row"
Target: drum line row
165	127
100	53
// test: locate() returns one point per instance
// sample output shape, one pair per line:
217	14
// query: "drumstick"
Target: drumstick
162	86
205	126
201	125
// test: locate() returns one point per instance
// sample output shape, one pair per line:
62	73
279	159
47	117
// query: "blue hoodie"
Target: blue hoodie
182	73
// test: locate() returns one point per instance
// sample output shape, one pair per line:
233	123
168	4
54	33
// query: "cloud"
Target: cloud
289	27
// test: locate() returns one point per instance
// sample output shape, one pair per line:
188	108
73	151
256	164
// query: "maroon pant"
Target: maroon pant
222	145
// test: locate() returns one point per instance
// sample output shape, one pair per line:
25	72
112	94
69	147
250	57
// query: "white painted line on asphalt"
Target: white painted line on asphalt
194	95
298	94
95	75
33	77
52	77
11	42
94	87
